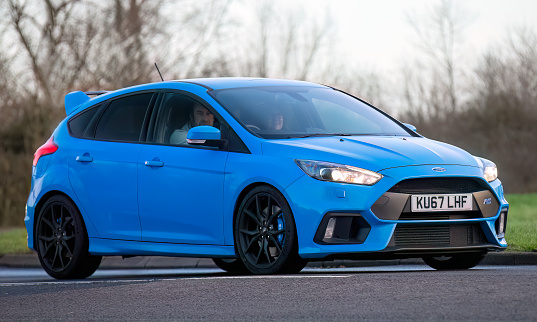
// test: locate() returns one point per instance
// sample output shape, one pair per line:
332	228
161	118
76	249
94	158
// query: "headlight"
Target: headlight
490	171
334	172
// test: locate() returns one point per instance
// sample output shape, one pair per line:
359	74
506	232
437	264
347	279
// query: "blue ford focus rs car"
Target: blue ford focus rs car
261	175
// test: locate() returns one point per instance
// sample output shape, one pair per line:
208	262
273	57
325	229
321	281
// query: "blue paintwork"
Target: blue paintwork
74	99
145	199
177	200
203	132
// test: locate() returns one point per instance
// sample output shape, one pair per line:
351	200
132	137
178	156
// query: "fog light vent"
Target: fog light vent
329	232
501	224
342	228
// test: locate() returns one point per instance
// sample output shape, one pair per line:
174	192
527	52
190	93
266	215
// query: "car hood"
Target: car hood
375	153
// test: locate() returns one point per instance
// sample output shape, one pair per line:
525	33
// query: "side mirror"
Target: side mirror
205	135
410	126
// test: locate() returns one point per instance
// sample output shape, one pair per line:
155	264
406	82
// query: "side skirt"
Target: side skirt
100	246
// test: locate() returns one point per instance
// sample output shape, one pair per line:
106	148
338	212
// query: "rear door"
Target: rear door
103	165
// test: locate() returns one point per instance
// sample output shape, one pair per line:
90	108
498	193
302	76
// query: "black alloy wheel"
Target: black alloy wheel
231	265
62	242
265	233
458	261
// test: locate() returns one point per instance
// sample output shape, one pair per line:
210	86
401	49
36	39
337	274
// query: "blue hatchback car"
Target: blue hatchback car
262	175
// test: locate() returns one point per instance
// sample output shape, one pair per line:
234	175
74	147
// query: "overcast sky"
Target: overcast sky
376	34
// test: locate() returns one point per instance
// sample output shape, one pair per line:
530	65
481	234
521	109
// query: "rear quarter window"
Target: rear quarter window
123	118
78	124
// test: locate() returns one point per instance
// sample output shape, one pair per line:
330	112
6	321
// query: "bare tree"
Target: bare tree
126	37
199	37
439	36
285	44
54	41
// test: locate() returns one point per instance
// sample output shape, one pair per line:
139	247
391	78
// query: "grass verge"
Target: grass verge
13	241
521	231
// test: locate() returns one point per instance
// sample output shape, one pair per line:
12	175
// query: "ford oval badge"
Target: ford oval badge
438	169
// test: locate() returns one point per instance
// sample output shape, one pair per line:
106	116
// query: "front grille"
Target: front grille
452	215
424	216
455	235
437	185
420	235
475	235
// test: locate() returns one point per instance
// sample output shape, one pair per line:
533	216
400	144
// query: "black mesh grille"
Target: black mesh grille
455	235
438	185
424	216
439	215
475	235
421	235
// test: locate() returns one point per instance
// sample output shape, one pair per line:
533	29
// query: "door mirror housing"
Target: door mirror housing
205	135
410	126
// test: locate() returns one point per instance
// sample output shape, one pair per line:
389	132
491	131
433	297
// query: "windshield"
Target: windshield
290	112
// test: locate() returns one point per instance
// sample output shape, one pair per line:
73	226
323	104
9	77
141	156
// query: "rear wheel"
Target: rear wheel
265	233
459	261
62	242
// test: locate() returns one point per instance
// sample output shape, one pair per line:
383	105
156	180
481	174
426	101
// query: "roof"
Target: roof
75	99
236	82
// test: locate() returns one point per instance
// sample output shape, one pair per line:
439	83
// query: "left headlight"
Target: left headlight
490	171
327	171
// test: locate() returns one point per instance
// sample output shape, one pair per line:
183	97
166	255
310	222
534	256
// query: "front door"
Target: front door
180	187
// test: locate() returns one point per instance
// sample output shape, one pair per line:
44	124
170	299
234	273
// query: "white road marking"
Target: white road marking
168	279
193	274
72	282
266	277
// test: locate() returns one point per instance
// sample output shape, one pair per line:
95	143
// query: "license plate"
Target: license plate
426	203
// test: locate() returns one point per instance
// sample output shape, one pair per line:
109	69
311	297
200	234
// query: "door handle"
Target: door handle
84	158
154	163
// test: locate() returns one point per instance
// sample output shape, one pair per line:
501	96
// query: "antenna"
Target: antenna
159	72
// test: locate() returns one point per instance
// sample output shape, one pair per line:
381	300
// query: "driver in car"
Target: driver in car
199	116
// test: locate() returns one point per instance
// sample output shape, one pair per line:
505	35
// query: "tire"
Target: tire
459	261
265	233
62	242
231	265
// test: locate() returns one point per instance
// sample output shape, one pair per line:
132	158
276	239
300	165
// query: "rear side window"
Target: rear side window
123	118
78	124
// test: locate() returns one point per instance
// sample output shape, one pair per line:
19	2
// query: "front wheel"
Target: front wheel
459	261
62	242
231	265
265	233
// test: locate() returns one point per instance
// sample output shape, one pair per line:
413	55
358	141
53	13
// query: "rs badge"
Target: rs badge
487	201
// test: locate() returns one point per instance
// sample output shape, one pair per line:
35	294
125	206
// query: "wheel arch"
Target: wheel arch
41	203
243	194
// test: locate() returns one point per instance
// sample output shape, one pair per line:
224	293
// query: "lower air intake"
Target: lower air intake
438	235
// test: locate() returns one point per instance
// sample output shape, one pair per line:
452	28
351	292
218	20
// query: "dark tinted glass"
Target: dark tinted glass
78	124
174	117
284	112
123	118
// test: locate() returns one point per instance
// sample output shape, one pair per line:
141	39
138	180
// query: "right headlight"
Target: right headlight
334	172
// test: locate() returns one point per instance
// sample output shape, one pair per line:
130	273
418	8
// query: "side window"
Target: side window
123	118
78	124
178	114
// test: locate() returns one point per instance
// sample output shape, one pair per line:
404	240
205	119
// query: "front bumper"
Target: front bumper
313	201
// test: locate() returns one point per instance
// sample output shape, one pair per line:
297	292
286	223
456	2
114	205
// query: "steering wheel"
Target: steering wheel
253	127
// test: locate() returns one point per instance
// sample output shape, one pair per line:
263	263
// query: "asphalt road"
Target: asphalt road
402	292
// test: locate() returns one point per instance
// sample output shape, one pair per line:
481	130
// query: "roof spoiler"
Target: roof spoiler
75	99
